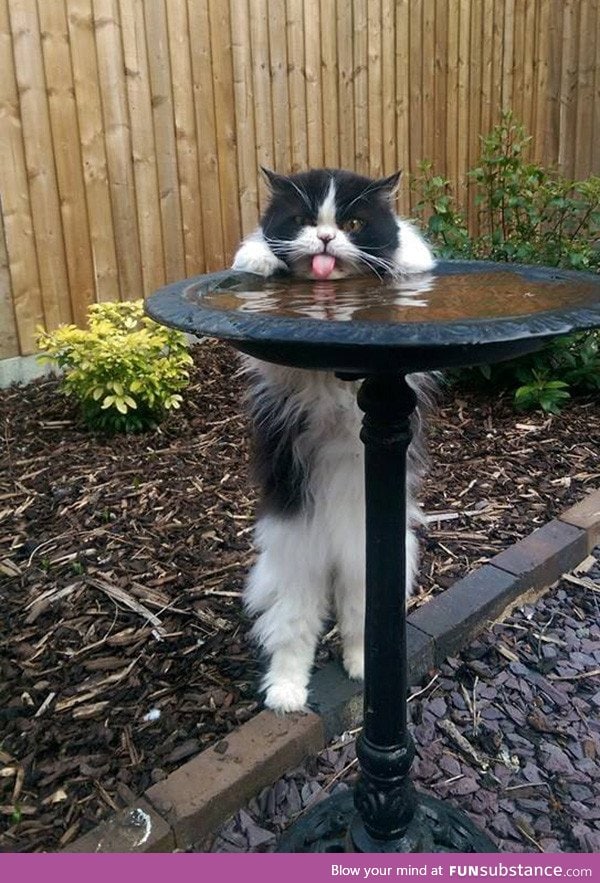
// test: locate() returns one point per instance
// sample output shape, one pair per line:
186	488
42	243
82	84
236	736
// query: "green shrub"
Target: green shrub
547	378
532	215
125	370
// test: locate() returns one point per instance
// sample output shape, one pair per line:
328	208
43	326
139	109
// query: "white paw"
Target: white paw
413	254
256	257
286	696
354	663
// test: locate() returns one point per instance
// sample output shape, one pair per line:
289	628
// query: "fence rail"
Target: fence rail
131	131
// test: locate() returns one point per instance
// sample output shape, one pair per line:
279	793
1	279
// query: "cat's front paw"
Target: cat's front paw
256	257
354	663
285	696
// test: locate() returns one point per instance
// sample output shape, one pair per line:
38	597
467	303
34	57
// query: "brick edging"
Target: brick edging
193	800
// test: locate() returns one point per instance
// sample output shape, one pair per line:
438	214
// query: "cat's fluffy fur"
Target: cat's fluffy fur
308	456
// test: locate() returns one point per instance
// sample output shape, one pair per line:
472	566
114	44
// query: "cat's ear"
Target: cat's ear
275	181
390	184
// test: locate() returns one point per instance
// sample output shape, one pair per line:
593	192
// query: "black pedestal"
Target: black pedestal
385	813
467	313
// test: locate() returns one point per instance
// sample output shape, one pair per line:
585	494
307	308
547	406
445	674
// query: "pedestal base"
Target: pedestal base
435	827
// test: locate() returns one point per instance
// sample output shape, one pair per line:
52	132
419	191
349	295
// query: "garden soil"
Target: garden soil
123	648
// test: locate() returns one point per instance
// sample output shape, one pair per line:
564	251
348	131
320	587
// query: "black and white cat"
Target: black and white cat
320	224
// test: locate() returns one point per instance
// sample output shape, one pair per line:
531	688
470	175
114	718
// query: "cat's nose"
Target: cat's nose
326	234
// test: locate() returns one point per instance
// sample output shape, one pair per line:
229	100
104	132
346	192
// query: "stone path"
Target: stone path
509	731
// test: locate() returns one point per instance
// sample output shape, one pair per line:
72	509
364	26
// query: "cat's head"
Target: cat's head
330	223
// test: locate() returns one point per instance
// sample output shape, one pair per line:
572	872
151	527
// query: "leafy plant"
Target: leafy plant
529	214
532	214
446	225
548	395
125	370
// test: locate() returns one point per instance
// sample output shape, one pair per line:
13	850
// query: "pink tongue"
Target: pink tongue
322	265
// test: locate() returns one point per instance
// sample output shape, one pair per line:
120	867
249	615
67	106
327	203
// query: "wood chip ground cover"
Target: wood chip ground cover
122	642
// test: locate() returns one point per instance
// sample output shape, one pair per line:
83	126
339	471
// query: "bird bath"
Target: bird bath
377	331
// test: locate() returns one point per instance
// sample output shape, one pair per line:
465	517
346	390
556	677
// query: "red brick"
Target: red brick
138	828
202	793
586	515
464	609
543	556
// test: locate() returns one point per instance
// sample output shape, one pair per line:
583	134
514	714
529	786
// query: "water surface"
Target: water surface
430	298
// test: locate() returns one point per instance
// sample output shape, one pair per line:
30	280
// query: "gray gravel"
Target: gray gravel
509	731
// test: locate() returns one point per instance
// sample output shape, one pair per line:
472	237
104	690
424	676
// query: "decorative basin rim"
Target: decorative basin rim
180	305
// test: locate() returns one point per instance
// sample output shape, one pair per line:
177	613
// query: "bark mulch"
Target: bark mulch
122	640
509	732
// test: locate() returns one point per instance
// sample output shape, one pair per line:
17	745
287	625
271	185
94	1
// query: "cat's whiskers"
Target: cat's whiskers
286	247
372	186
374	262
302	193
388	247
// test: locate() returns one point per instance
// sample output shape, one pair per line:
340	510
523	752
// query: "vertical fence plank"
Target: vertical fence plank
280	99
91	133
208	161
388	59
508	49
374	85
428	59
295	50
595	159
361	88
528	64
497	58
329	84
67	157
568	88
261	69
312	76
464	86
474	147
243	93
487	61
186	139
157	39
345	29
523	62
15	205
415	107
453	170
553	64
586	62
518	53
117	133
403	129
441	86
43	188
139	101
540	85
220	28
9	341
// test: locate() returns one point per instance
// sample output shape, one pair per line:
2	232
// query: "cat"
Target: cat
321	224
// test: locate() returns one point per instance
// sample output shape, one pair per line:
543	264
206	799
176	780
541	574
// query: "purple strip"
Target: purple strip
264	868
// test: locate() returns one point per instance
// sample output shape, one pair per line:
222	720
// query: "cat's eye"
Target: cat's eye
353	225
301	221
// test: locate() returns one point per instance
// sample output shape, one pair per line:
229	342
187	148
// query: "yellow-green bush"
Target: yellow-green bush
125	370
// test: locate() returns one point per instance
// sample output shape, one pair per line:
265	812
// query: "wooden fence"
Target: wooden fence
131	131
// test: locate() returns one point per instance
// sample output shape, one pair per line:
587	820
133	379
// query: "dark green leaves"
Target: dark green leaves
526	214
